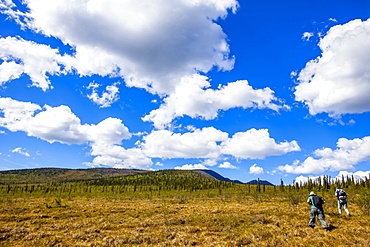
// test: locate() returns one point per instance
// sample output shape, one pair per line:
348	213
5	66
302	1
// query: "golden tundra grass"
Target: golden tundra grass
174	221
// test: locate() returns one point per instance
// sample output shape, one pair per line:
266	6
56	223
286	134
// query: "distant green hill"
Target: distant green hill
48	175
69	182
213	174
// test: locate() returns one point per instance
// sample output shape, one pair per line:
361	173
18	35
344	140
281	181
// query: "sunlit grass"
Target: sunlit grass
175	220
173	208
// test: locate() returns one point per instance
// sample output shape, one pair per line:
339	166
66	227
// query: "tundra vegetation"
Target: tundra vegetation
56	207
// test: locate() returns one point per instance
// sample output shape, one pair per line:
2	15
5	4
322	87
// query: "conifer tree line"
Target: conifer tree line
326	183
180	180
166	180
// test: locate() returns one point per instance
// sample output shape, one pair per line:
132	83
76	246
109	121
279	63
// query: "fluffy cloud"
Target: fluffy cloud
118	157
227	165
307	36
157	45
194	98
212	143
151	44
58	124
255	169
205	164
21	151
36	60
256	144
16	114
107	98
344	158
191	167
197	144
10	71
338	82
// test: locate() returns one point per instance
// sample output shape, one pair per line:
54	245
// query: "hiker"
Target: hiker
316	203
342	200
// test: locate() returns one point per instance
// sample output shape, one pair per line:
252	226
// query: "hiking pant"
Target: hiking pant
342	203
319	212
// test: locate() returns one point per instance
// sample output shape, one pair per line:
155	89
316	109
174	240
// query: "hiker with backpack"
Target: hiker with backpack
342	200
316	203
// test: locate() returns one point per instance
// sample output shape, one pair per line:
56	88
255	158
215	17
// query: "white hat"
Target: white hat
312	193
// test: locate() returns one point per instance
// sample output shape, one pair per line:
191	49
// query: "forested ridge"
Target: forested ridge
45	175
105	207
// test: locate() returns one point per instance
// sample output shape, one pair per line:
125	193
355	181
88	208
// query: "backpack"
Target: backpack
317	201
342	194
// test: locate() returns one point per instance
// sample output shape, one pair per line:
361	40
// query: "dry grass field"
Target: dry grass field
177	220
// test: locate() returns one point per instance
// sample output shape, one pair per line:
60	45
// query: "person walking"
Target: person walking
316	203
342	200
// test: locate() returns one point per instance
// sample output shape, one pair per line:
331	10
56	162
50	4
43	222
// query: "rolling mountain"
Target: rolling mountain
47	175
42	175
265	182
213	174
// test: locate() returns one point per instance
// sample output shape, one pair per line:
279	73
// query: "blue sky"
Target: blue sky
250	89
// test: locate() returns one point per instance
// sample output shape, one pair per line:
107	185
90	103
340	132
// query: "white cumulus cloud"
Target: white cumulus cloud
338	82
228	165
194	98
10	71
211	143
38	61
151	43
201	143
59	124
307	36
254	169
108	97
348	154
21	151
256	144
191	167
161	46
118	157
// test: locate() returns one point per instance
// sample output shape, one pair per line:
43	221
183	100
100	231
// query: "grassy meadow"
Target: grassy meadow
175	209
